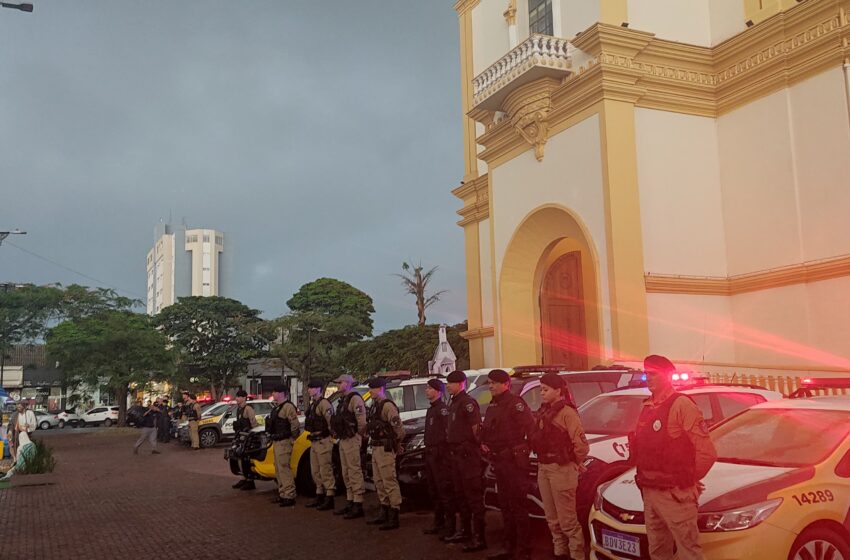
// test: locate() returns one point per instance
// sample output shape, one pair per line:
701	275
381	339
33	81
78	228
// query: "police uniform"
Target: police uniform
349	425
283	427
561	446
246	420
438	464
672	451
192	413
507	423
462	431
317	424
385	436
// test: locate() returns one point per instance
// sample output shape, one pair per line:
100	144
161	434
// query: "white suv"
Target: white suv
106	415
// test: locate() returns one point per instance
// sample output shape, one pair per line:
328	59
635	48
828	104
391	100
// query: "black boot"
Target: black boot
392	520
437	527
356	511
237	486
327	505
382	517
449	527
344	511
462	533
320	499
249	485
478	541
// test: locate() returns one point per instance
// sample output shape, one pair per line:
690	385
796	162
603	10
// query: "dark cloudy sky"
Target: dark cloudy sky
323	137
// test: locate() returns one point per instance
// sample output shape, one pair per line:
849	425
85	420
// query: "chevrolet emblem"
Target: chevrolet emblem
626	516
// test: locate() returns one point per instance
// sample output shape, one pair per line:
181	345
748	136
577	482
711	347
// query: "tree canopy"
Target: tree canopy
416	284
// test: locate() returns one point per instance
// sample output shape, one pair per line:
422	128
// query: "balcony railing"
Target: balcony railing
537	56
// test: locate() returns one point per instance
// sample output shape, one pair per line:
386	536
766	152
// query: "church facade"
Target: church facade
657	177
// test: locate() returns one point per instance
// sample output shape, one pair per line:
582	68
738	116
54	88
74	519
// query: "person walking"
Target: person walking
504	440
561	447
462	435
385	436
672	451
317	423
246	420
283	427
149	422
349	425
438	461
192	413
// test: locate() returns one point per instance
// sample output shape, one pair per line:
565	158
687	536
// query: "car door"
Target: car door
95	414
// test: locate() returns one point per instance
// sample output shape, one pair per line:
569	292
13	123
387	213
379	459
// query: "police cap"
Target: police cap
553	380
456	376
436	384
658	364
377	382
315	384
499	376
280	388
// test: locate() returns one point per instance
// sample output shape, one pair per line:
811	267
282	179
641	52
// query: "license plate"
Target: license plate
619	542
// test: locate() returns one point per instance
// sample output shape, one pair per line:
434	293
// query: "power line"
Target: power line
77	272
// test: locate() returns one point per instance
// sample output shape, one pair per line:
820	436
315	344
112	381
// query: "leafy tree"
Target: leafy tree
215	337
25	311
409	348
115	349
333	299
416	284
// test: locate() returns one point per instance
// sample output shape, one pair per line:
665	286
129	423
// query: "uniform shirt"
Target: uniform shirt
358	407
464	419
389	414
568	420
325	409
436	422
248	412
686	418
290	413
507	423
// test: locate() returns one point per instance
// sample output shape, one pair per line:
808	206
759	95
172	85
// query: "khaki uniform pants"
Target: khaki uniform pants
352	471
558	485
671	517
283	473
386	480
193	434
321	466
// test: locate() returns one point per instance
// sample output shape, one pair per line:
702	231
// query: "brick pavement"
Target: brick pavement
104	503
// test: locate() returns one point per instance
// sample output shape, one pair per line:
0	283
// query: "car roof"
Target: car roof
840	402
644	392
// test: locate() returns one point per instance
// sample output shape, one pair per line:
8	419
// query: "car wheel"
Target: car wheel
107	423
44	425
208	438
820	543
81	424
61	424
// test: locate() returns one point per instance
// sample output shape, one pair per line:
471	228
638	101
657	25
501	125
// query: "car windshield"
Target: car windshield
787	437
611	414
215	410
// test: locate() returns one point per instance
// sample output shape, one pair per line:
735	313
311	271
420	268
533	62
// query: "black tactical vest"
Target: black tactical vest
662	462
379	429
344	422
278	428
503	428
242	424
436	421
551	443
190	412
464	415
316	423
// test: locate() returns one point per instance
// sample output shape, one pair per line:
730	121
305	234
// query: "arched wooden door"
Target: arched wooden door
562	321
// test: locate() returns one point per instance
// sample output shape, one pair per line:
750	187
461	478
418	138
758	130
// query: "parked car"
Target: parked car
216	422
69	418
779	489
46	420
106	415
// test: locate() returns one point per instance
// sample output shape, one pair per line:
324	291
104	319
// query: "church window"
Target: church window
540	16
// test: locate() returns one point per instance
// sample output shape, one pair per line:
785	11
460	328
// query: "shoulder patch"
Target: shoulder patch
469	407
444	411
520	406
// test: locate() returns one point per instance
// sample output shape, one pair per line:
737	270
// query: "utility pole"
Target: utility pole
5	234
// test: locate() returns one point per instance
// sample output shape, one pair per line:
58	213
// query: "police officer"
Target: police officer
507	424
283	428
246	420
561	448
672	452
318	424
348	424
192	413
438	461
462	433
385	436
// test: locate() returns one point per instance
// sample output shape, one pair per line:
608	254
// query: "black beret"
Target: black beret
456	376
280	388
658	364
553	380
315	384
436	384
241	393
377	382
499	376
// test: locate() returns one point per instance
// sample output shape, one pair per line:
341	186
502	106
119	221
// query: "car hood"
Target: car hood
726	486
608	448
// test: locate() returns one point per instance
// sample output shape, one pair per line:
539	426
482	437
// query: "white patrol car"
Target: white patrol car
780	489
216	422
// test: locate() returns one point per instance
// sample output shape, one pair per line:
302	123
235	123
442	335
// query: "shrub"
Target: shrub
39	461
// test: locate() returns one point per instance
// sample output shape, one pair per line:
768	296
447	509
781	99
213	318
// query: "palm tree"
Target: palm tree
416	284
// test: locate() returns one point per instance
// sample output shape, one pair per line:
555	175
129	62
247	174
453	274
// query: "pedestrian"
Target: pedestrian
672	452
12	431
283	428
561	447
163	434
150	420
504	441
246	420
438	461
462	435
349	425
26	421
317	423
192	413
385	436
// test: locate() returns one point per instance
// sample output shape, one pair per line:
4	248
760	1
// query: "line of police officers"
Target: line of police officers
670	448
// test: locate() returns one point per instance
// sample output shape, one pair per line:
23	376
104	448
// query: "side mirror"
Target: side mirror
228	414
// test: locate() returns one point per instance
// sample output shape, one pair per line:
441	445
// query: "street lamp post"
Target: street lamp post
21	7
5	234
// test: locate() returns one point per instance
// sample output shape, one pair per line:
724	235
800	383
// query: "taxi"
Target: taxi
780	489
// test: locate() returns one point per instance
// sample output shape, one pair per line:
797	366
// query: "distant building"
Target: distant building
444	357
184	262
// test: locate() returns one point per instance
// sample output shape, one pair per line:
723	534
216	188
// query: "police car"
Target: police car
216	422
780	489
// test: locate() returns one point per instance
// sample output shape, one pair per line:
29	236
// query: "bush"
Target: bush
39	461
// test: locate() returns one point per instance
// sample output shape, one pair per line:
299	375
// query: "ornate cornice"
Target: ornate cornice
802	273
510	13
475	195
462	6
483	332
